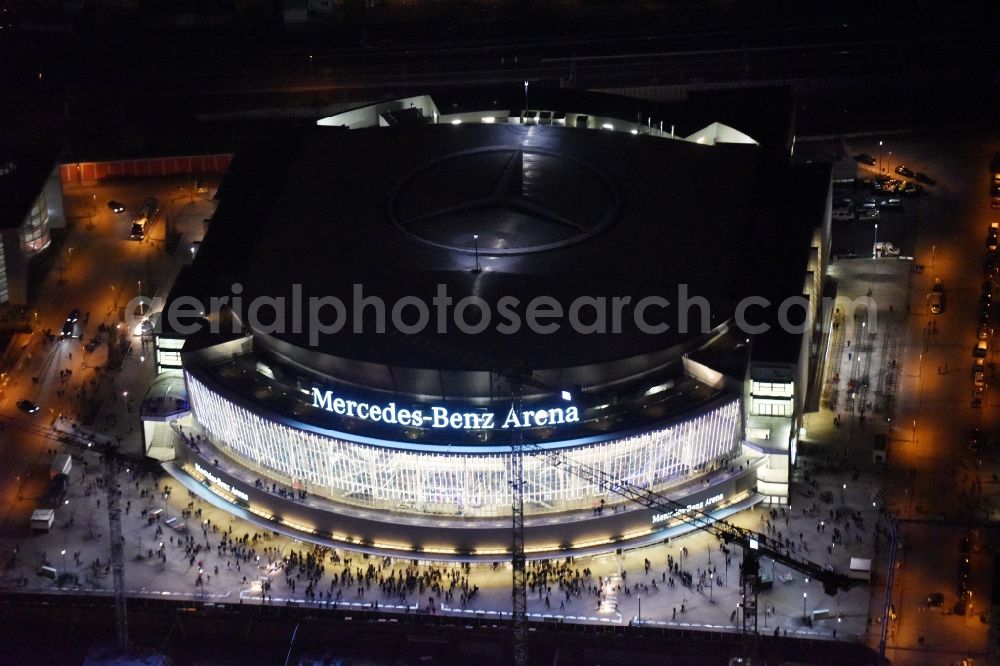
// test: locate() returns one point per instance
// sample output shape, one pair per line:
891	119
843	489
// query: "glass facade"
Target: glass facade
470	484
35	235
168	354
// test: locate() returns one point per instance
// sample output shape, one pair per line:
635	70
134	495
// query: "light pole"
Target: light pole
64	559
874	254
708	547
525	98
639	596
711	587
475	239
880	157
804	596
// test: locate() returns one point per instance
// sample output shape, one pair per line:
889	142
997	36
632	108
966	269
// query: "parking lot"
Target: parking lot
897	224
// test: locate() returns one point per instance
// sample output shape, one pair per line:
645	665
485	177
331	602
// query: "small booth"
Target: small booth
42	519
861	569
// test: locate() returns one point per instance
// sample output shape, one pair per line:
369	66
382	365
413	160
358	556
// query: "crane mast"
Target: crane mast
519	593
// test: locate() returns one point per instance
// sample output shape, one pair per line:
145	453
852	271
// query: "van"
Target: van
46	571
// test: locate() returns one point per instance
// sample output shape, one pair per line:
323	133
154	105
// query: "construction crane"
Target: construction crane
754	544
519	578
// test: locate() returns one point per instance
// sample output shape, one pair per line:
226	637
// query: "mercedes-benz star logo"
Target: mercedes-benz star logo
512	200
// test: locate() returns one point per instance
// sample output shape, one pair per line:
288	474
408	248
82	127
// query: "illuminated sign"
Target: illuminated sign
222	484
436	416
660	517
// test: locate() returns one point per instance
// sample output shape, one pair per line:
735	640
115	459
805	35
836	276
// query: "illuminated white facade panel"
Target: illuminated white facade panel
458	484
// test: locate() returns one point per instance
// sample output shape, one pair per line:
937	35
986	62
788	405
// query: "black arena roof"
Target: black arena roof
559	212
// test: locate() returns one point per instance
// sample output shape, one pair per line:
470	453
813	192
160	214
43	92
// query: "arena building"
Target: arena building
386	302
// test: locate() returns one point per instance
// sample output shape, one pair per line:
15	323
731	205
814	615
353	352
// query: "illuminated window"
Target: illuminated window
773	389
770	406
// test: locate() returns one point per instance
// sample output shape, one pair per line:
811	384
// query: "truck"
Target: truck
144	218
55	493
62	464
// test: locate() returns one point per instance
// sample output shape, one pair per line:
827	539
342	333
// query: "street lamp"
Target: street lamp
639	596
804	596
64	559
711	587
880	157
874	255
475	238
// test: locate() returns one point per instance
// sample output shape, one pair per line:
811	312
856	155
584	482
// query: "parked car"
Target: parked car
990	266
975	436
843	210
891	186
983	331
910	189
868	211
935	299
935	599
864	158
116	207
981	349
27	406
892	204
905	171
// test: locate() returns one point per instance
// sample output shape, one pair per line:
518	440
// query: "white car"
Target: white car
881	249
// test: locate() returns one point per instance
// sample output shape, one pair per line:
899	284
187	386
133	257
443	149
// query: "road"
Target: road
933	483
96	268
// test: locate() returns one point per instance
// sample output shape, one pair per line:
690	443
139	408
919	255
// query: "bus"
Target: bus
144	218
